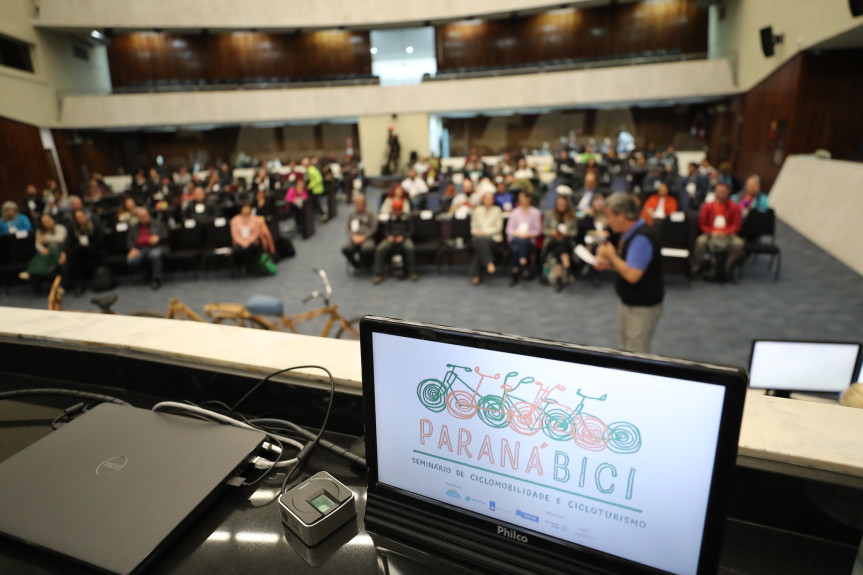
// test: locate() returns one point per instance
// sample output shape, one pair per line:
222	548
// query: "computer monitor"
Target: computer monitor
814	366
522	455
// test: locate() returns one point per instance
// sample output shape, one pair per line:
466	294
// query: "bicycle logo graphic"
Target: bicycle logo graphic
557	421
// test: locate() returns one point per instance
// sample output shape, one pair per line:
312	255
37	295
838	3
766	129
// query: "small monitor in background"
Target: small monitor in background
809	366
529	456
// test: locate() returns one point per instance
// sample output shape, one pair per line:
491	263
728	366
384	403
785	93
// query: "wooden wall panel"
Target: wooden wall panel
590	33
149	57
24	161
829	110
772	103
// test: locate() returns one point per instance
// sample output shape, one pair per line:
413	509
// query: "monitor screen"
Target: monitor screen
587	450
803	365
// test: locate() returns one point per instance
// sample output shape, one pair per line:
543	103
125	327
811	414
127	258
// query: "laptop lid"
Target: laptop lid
815	366
109	488
522	455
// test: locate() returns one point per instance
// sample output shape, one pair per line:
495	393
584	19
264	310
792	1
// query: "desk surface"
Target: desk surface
801	438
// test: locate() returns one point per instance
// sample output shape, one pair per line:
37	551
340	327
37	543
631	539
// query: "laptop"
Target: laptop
112	487
820	367
521	455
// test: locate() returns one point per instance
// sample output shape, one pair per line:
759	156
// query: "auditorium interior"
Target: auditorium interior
298	109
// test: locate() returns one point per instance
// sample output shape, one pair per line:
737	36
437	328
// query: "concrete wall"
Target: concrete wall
412	130
823	200
805	23
34	98
263	14
657	82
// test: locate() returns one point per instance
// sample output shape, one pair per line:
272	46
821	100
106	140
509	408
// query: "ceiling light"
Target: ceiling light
409	49
373	50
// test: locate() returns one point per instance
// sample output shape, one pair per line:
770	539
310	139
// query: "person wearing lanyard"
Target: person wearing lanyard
245	232
720	222
638	264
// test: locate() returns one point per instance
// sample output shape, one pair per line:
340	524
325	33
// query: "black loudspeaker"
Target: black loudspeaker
856	7
768	41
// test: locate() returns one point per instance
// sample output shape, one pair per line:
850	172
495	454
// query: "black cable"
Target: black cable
312	443
265	379
65	392
270	423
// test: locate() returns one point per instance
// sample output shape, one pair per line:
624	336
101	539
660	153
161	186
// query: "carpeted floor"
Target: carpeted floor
817	297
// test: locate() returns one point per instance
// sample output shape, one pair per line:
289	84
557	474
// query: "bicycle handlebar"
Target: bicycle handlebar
328	290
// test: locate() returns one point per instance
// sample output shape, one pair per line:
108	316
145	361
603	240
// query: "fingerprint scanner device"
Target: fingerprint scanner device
113	487
317	507
521	455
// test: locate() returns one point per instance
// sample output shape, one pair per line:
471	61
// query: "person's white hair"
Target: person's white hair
563	190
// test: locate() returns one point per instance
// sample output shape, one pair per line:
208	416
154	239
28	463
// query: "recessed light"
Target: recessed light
409	49
373	50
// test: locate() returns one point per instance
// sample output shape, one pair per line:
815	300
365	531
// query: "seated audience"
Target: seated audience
719	222
396	193
692	189
397	236
522	229
502	197
51	188
659	205
261	180
295	197
261	205
84	250
197	208
751	198
486	230
93	191
560	228
128	212
727	177
362	224
12	221
147	240
523	171
182	177
416	188
464	201
76	204
226	175
33	204
49	256
584	198
593	228
245	236
474	168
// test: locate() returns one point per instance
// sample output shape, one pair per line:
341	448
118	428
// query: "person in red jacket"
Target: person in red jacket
659	205
719	222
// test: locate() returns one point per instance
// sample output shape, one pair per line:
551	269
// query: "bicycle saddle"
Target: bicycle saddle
265	305
105	302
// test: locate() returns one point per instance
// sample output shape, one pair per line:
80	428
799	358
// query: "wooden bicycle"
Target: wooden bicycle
239	314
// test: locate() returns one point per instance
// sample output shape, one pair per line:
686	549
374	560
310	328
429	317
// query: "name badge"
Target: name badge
189	224
84	241
13	230
199	208
121	227
690	188
245	232
426	215
522	228
384	217
599	226
719	222
355	226
561	228
21	234
220	222
32	205
677	217
507	206
462	213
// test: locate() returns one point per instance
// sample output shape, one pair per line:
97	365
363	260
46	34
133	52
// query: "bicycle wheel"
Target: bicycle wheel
461	404
353	332
524	418
623	437
493	412
431	394
590	433
557	424
147	313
